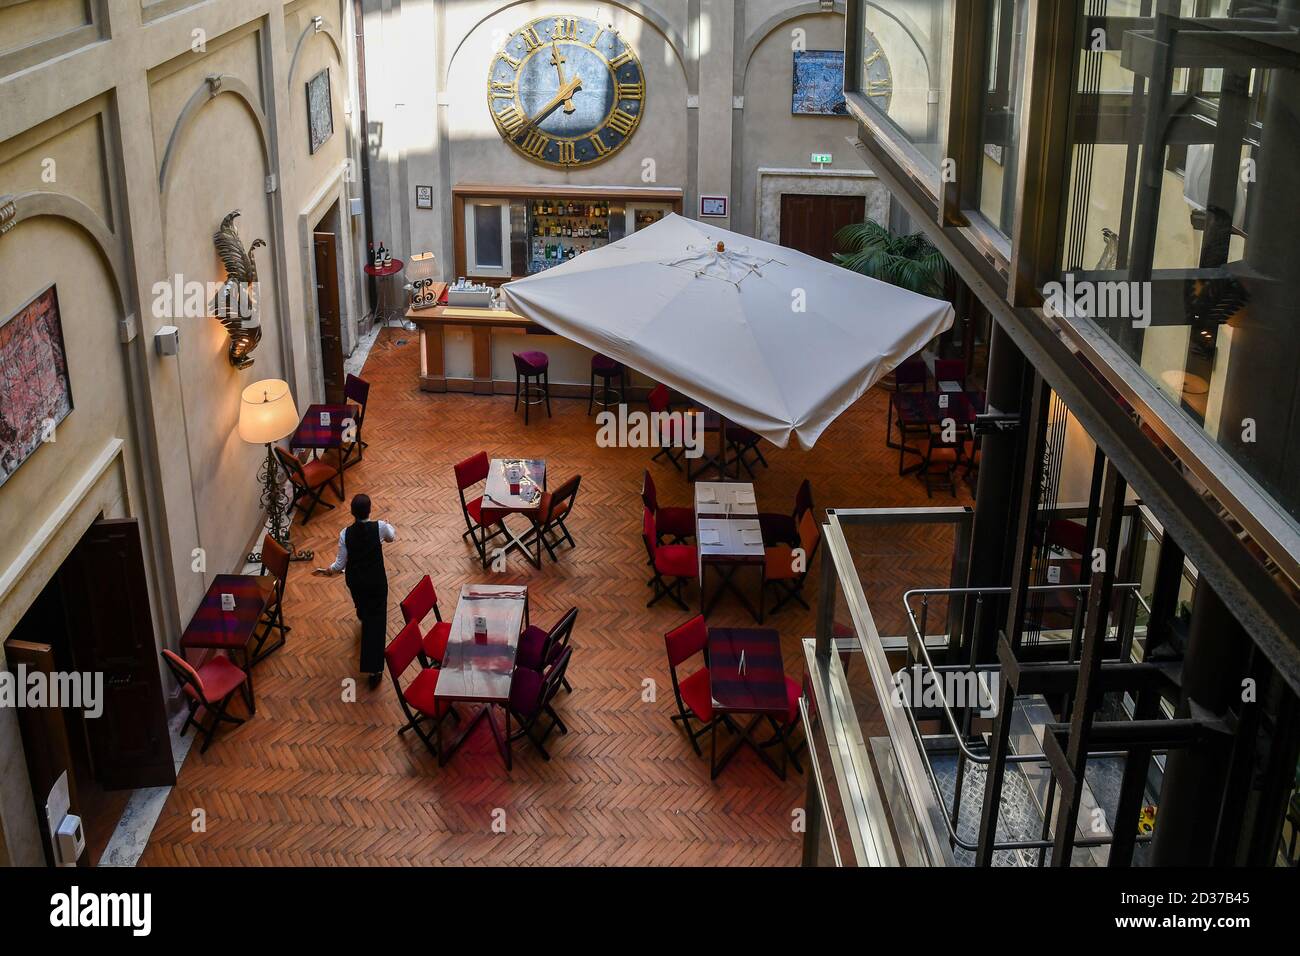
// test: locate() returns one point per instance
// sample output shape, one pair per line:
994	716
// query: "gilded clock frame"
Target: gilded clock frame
634	118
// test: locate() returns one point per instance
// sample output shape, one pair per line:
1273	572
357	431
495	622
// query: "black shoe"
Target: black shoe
375	678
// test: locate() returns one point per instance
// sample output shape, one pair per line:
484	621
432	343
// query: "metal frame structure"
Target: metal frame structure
1008	284
1181	716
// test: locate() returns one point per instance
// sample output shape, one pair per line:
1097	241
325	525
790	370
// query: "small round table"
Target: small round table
384	274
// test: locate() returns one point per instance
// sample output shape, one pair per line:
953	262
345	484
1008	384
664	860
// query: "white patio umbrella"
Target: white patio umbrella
768	337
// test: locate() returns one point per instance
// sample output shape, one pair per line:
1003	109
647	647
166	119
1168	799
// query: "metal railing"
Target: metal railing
960	732
889	809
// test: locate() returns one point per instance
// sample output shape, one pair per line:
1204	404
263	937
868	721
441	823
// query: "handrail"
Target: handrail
943	698
925	809
949	823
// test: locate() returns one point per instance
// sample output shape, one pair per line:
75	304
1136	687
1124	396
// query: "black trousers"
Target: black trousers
372	611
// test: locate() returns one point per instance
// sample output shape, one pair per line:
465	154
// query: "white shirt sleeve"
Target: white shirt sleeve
387	532
341	561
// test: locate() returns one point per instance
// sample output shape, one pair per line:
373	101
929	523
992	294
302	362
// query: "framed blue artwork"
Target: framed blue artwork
819	83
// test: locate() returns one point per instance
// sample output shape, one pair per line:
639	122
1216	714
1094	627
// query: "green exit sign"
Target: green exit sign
822	159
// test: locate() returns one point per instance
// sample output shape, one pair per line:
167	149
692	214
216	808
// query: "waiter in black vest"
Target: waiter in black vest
361	559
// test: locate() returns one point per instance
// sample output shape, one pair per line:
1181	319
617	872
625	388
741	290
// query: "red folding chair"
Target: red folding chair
694	694
677	561
950	370
941	460
779	567
531	696
469	473
660	400
275	565
743	449
308	481
675	522
418	699
549	529
207	690
415	607
356	391
784	529
787	727
539	648
911	374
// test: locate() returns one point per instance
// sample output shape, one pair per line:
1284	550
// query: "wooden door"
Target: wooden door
327	308
809	223
45	736
110	631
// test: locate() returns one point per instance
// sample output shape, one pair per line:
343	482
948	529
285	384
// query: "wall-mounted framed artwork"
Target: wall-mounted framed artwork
320	111
818	83
423	197
35	390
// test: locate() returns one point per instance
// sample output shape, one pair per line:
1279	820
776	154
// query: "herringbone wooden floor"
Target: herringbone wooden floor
314	780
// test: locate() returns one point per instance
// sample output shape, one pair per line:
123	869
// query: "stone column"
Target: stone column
715	47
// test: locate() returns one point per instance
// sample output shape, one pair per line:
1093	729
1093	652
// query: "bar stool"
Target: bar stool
528	366
607	369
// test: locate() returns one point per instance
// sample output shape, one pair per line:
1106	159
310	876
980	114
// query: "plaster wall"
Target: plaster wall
719	76
117	162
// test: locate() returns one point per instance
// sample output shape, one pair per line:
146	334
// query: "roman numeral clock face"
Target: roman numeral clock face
877	78
566	91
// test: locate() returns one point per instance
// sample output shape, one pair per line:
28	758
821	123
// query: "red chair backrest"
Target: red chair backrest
810	536
356	390
472	470
658	398
422	599
561	632
554	676
648	533
1069	535
950	370
686	640
562	495
648	496
292	466
185	673
911	372
275	559
403	649
803	500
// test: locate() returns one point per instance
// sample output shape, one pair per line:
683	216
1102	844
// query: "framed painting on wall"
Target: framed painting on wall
35	391
320	111
818	84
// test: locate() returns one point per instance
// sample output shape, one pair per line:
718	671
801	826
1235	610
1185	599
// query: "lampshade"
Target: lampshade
266	412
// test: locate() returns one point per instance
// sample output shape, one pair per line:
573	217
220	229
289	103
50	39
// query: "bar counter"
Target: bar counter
468	349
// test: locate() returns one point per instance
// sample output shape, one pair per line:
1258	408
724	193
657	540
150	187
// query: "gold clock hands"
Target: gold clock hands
557	60
566	93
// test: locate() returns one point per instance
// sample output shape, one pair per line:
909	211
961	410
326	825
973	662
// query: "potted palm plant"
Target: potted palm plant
907	261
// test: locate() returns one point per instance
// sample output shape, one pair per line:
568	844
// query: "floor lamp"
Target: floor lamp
267	414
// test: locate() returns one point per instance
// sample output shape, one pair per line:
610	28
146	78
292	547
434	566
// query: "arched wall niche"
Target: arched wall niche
218	160
675	39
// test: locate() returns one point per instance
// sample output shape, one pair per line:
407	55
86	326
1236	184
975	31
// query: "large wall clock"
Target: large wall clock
566	91
877	77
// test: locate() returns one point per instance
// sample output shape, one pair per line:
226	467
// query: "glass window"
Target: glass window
1180	231
1004	88
489	250
903	50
